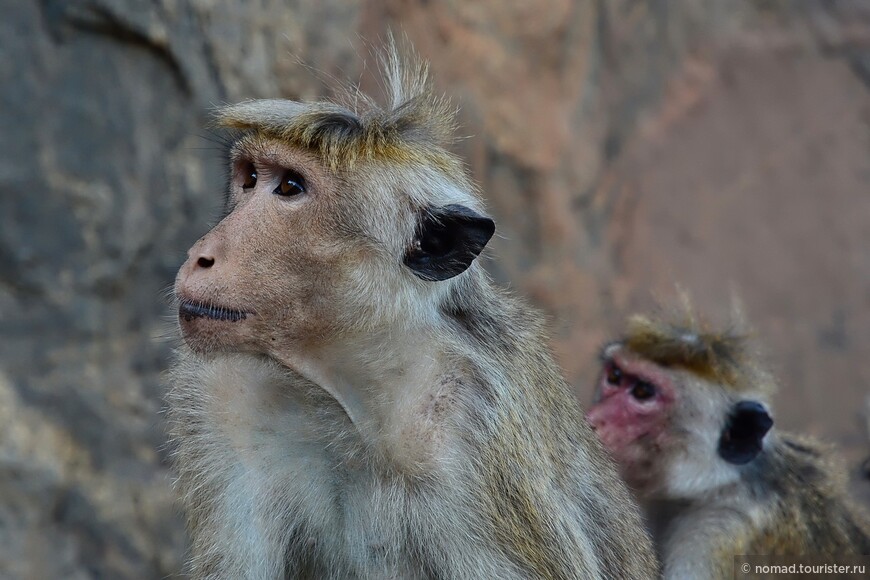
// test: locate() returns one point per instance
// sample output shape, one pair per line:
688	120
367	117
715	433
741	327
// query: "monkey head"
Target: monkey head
677	411
340	221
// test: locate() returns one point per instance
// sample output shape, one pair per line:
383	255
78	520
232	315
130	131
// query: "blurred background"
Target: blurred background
623	146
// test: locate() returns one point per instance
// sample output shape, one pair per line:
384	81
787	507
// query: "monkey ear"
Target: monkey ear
448	239
741	438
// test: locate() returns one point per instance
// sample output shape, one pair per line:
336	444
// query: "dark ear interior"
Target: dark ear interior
448	240
741	438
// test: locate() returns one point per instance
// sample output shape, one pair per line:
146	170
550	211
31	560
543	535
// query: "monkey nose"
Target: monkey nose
205	253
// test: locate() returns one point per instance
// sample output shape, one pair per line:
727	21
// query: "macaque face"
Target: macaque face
632	415
673	434
271	272
307	254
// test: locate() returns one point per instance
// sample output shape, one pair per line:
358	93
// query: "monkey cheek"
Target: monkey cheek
638	467
635	453
618	441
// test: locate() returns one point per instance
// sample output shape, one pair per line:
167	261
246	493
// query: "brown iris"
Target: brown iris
250	174
291	184
614	374
643	390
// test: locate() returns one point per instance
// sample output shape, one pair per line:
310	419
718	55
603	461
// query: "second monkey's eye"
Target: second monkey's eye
291	184
249	174
643	390
614	374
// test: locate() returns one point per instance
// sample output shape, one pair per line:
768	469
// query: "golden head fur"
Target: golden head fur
686	340
415	126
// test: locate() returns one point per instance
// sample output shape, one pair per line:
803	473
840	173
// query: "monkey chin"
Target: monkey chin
207	327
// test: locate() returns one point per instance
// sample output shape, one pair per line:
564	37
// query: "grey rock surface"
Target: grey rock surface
622	147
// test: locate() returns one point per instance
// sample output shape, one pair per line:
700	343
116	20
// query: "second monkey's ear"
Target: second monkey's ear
741	438
447	241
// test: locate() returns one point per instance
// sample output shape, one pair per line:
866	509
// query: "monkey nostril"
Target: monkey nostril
204	262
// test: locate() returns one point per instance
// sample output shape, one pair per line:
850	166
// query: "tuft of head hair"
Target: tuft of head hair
414	126
686	340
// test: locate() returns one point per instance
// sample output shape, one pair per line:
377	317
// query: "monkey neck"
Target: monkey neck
374	376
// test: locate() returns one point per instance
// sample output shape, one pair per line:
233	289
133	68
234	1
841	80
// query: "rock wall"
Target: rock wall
622	147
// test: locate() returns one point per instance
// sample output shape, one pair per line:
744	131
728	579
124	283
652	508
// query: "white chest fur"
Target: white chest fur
278	483
292	475
282	475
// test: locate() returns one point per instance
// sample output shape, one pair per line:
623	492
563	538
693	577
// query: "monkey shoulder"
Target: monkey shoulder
790	500
802	492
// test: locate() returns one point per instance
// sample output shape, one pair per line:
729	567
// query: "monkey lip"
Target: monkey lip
189	310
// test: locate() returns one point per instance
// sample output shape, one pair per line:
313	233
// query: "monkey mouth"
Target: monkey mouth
189	310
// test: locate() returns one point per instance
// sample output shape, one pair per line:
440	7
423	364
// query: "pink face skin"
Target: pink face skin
631	415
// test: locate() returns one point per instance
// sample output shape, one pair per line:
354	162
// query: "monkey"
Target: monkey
353	397
684	409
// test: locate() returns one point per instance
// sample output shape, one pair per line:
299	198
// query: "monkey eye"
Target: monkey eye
250	173
291	184
614	374
642	390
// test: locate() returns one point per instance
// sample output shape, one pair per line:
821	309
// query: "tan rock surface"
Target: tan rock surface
623	147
